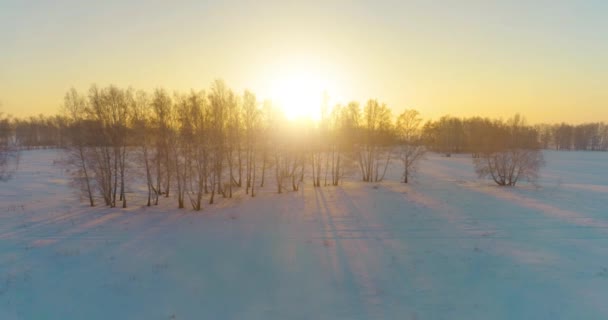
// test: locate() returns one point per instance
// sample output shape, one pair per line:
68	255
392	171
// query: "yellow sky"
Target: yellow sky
546	60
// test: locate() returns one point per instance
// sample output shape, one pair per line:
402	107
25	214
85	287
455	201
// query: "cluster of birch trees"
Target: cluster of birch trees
193	147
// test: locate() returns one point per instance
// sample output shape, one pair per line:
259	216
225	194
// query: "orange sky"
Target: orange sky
546	59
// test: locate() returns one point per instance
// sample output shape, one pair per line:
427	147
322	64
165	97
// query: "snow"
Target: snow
447	246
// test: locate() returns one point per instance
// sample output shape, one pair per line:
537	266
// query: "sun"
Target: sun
300	94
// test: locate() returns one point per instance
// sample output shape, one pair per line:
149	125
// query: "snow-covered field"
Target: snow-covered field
448	246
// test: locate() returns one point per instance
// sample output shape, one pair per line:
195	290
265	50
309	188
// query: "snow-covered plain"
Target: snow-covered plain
447	246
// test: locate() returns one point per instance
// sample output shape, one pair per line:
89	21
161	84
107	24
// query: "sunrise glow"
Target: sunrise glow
300	95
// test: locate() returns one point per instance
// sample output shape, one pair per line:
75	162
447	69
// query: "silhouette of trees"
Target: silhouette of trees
197	152
201	143
544	135
219	98
78	148
505	151
374	154
582	137
9	154
162	106
252	131
473	135
447	135
108	110
40	132
343	127
562	136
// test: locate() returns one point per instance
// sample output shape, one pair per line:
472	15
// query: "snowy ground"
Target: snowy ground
447	246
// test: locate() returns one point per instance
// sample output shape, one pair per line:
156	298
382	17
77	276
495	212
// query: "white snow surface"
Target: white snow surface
446	246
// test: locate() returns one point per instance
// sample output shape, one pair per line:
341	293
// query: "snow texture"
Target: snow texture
447	246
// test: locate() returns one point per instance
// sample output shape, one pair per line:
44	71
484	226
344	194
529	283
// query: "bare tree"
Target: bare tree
509	166
516	155
233	140
373	157
78	150
109	110
190	148
268	129
280	147
9	153
144	134
219	99
181	145
199	150
411	149
162	105
251	121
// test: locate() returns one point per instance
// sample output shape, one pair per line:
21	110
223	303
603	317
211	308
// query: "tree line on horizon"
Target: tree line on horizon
42	131
203	144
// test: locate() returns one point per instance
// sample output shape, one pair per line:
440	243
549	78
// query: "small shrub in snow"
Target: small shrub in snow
513	154
507	167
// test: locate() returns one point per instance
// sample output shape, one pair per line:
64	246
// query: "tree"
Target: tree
411	149
109	112
233	140
162	105
516	155
181	145
9	153
199	149
219	99
376	135
251	122
562	136
544	135
78	150
191	149
268	125
143	134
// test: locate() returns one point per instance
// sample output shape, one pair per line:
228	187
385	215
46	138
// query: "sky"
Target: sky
547	60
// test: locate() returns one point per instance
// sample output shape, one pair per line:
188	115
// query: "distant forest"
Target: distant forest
448	134
200	144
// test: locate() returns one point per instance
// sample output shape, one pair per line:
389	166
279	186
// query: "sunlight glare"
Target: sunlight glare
300	95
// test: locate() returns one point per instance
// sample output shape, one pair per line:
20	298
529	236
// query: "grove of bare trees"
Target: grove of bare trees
193	147
203	144
199	145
